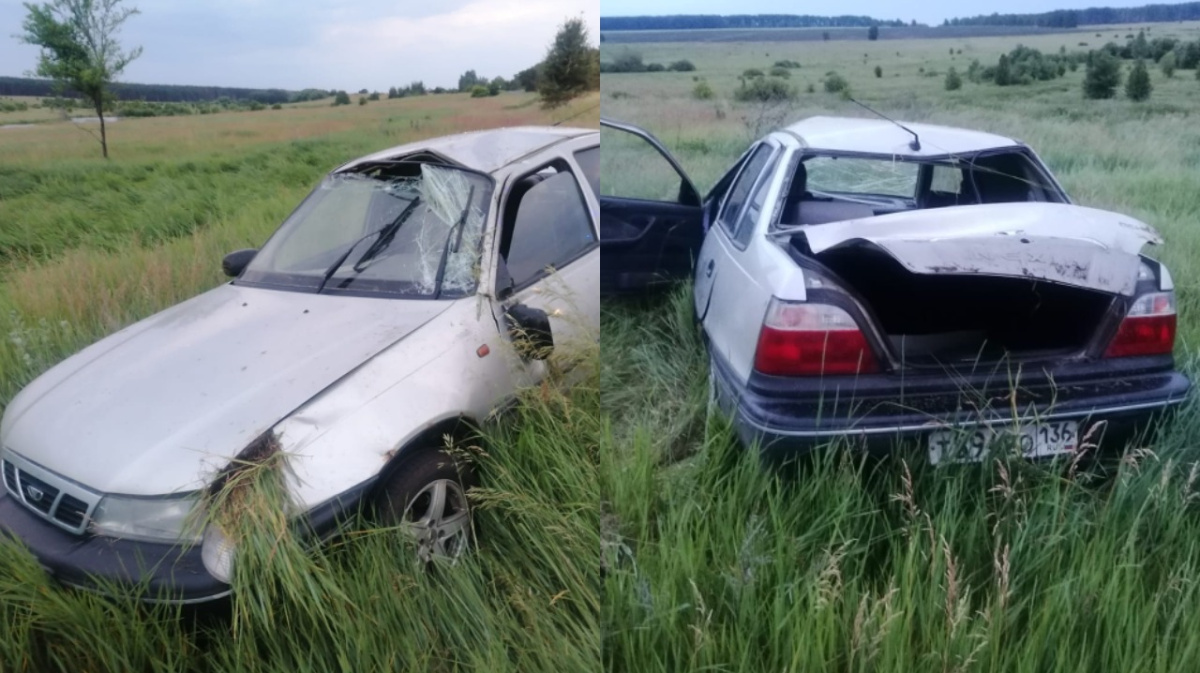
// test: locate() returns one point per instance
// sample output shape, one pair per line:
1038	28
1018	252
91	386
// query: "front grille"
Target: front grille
48	495
71	511
37	493
10	476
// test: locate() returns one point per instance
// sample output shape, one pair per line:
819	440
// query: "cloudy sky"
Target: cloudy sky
327	44
928	11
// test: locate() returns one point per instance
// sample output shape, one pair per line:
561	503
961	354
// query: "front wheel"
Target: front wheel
427	497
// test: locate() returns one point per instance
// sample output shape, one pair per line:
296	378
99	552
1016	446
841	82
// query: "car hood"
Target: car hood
162	405
1060	243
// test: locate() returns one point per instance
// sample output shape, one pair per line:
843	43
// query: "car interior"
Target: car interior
1006	177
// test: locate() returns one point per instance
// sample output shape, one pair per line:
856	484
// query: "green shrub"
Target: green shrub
765	89
878	71
1103	75
835	83
277	106
655	67
341	98
683	65
783	73
751	73
702	91
953	81
1167	64
480	91
787	64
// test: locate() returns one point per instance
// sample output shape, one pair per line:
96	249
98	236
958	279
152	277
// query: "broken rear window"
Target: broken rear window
402	228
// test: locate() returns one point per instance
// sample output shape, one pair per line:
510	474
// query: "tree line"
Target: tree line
165	93
702	21
1097	16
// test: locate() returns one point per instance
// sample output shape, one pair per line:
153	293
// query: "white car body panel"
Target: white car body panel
879	136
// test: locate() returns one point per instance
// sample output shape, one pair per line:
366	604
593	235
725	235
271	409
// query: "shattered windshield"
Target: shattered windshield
406	228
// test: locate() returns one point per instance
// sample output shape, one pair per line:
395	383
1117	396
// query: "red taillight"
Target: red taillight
799	339
1148	328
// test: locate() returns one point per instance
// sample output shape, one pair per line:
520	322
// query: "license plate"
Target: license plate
974	444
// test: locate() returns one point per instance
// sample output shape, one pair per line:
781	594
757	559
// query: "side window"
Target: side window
589	163
750	214
546	224
740	192
946	179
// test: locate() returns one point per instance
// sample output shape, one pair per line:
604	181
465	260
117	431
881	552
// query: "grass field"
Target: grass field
88	246
713	564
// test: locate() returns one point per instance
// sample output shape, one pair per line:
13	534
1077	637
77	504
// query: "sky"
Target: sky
325	44
931	12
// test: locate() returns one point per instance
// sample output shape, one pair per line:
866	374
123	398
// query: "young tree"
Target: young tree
1003	75
567	69
1103	75
953	80
1138	87
79	48
873	33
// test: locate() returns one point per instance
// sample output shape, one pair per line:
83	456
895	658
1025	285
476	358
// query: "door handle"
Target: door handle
708	268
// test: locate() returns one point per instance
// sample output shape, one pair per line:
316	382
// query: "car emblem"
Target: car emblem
35	494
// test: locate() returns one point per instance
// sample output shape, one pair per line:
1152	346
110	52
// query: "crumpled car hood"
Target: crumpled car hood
1059	243
162	405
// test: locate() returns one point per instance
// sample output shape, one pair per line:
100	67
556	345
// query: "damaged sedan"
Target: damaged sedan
404	302
864	280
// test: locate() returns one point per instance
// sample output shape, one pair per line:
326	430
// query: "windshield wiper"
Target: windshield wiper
385	234
462	219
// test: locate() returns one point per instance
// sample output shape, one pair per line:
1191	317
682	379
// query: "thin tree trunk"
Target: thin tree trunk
103	136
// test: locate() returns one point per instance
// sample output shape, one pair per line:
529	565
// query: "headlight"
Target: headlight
152	519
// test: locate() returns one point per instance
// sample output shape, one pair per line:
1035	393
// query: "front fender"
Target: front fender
348	434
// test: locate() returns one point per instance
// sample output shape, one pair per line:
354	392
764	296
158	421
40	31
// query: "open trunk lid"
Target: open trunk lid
1058	243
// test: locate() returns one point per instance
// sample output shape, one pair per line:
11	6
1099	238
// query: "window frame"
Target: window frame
561	165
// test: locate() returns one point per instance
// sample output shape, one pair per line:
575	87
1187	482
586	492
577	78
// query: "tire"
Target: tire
426	495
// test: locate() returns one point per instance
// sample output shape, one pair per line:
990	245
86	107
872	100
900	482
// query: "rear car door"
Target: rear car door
651	220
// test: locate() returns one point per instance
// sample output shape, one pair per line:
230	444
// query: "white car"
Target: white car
867	280
380	317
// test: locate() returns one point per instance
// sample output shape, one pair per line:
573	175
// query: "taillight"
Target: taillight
801	339
1148	328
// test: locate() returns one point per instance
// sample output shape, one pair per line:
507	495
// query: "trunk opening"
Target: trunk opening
939	320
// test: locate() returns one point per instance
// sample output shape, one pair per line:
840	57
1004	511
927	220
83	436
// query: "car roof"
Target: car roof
880	136
485	151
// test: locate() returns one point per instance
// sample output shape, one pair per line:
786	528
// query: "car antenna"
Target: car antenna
915	145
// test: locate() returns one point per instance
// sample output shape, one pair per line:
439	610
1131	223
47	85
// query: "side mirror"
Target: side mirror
236	262
530	330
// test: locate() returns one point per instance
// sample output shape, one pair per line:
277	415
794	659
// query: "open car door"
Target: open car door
651	219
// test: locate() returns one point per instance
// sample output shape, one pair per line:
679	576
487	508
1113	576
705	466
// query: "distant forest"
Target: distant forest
1060	18
700	21
174	93
1093	16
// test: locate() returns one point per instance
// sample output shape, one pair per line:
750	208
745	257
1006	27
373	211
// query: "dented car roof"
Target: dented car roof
880	136
485	151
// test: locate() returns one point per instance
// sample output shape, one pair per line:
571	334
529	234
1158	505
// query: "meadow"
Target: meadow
711	563
88	246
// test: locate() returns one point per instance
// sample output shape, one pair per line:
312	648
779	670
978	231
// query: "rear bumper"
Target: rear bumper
785	418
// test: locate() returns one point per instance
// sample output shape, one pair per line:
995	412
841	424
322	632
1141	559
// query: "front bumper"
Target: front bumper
155	572
790	417
163	572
